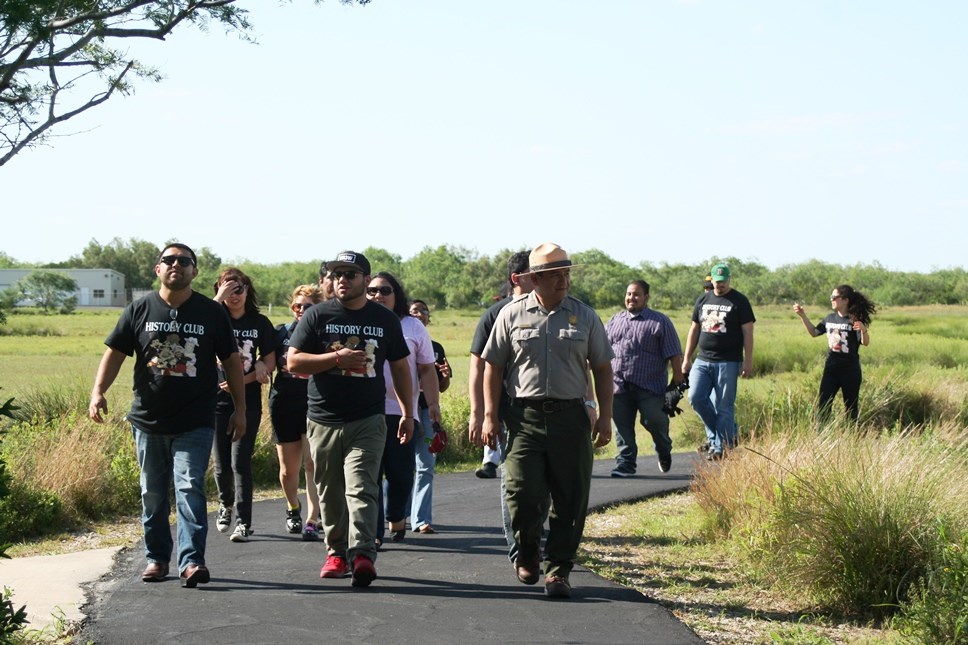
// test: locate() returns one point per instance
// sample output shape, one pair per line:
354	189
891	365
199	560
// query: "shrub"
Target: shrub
937	610
847	521
28	512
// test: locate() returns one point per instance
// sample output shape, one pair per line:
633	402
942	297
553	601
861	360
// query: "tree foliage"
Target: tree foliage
61	58
48	290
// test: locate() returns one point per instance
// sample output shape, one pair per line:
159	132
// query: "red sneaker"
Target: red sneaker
363	571
335	566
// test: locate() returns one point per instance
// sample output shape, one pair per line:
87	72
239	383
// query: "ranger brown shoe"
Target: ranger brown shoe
557	586
528	570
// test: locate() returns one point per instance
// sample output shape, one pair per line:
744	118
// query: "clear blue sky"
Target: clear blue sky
661	131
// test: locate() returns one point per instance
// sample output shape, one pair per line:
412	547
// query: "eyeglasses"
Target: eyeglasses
302	306
349	275
419	312
180	260
383	291
239	289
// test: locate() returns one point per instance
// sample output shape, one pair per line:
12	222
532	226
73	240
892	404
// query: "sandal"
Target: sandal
425	529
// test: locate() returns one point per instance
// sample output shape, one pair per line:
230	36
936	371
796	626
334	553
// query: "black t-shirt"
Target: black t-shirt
721	320
255	337
439	357
843	341
340	396
288	389
175	373
481	333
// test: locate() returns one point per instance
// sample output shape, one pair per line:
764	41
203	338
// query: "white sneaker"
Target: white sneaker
223	519
241	533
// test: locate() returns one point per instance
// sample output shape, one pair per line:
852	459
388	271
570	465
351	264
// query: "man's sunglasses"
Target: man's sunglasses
349	275
181	260
383	291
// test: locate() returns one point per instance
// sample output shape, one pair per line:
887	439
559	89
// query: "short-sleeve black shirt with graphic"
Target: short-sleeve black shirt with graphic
339	395
721	320
175	373
843	341
255	337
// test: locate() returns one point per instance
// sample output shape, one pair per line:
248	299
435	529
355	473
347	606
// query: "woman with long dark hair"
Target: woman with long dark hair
256	339
398	458
846	329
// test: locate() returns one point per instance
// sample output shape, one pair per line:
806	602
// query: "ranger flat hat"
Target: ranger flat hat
548	256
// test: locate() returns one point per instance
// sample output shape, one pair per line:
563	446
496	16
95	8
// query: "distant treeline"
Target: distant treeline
456	277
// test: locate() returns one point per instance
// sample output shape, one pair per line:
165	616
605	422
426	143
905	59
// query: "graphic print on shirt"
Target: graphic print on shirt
247	352
838	337
171	357
713	318
353	342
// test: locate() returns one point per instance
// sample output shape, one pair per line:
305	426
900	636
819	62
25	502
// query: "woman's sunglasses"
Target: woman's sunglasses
383	291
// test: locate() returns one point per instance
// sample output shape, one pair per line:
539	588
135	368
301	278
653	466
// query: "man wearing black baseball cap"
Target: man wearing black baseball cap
343	343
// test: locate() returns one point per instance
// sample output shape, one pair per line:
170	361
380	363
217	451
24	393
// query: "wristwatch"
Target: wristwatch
591	404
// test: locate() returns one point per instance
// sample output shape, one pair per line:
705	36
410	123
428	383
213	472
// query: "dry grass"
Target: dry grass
659	547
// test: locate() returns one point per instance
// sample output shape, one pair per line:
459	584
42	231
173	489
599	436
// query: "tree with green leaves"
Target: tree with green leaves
48	290
61	58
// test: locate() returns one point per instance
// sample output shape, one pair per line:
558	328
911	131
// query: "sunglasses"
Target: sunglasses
349	275
419	312
383	291
302	306
180	260
239	289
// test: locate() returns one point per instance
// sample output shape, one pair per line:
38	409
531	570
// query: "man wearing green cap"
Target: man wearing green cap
722	328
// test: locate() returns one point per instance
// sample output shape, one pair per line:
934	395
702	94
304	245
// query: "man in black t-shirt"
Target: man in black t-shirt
343	343
722	328
176	335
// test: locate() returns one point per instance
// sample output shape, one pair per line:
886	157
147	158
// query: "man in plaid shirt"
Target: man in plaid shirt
645	343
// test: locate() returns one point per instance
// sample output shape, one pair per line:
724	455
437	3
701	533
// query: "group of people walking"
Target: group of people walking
355	391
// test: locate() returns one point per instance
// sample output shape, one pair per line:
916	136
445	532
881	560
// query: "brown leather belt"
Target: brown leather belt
548	406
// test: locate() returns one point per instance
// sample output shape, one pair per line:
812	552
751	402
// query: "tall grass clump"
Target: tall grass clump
846	521
90	469
937	610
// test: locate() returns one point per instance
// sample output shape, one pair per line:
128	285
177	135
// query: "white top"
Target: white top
421	353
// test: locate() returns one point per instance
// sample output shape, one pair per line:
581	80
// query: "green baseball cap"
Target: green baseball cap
719	273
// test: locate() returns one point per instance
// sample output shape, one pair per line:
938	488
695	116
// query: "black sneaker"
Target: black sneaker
703	448
665	462
623	470
487	471
294	520
713	455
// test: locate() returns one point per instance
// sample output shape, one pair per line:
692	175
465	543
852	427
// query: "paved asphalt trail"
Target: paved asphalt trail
455	586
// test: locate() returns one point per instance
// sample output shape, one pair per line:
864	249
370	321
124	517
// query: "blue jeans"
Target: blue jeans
182	459
421	504
625	405
708	380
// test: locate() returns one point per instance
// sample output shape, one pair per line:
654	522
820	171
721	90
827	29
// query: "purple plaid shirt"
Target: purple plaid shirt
643	344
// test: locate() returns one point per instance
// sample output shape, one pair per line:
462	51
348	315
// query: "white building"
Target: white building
95	287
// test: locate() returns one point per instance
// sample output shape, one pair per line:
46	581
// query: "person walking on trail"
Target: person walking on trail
425	462
722	329
846	329
518	284
343	343
177	336
398	457
542	347
256	339
287	410
646	345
